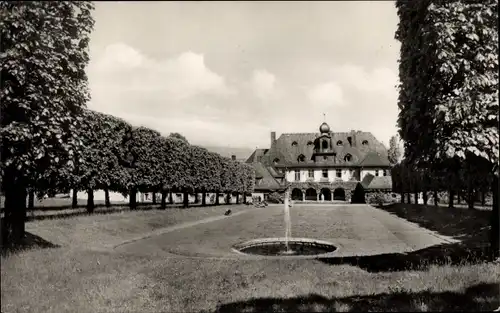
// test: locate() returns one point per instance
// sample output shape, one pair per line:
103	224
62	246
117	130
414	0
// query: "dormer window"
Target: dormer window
339	143
310	143
294	144
276	161
365	143
301	158
348	158
324	145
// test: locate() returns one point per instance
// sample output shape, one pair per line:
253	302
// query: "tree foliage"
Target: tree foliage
448	100
395	152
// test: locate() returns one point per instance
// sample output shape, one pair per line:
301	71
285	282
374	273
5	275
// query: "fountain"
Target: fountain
286	246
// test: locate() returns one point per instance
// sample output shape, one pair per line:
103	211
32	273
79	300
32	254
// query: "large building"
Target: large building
323	166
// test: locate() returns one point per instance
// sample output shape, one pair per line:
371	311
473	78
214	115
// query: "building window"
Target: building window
339	143
301	158
376	172
348	158
324	145
325	157
294	144
276	161
365	143
311	173
325	173
297	175
385	172
310	143
339	173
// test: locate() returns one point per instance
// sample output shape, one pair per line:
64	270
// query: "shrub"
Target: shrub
276	197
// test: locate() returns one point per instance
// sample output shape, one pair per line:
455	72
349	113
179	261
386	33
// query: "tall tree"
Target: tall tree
448	98
395	152
43	88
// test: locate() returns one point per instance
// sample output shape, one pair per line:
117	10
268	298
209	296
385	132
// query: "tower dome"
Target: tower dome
324	128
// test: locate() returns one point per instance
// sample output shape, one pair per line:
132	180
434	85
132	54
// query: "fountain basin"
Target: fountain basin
276	247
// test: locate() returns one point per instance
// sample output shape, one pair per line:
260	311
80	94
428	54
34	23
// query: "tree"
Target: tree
395	150
178	136
448	97
43	88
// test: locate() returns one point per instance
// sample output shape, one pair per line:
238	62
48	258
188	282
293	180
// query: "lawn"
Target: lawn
184	263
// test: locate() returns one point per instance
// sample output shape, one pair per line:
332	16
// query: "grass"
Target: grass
190	268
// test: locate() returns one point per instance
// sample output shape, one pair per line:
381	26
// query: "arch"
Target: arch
348	157
365	143
339	143
297	194
324	145
339	194
327	194
294	144
301	158
311	194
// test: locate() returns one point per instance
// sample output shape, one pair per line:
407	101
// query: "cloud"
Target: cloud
122	67
263	83
380	80
326	95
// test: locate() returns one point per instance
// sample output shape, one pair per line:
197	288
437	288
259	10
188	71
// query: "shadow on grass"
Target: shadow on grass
469	226
30	241
483	297
450	254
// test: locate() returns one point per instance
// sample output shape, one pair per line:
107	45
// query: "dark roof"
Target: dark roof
254	157
376	182
288	154
267	182
375	159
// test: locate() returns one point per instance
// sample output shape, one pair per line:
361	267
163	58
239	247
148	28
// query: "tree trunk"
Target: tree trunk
170	197
244	198
483	198
228	198
237	198
409	197
415	194
154	197
451	195
204	198
106	198
217	198
90	201
31	200
470	193
185	199
74	202
402	197
163	200
426	199
196	197
133	198
13	228
495	221
436	200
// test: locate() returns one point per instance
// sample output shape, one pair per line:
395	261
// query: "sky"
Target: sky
229	73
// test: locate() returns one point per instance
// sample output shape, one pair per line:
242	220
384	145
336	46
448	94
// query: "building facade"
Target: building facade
323	166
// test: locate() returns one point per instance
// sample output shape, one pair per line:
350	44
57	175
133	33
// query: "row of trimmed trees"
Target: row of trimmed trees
121	158
448	97
51	143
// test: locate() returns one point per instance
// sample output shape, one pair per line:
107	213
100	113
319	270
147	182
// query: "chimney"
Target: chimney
273	138
233	157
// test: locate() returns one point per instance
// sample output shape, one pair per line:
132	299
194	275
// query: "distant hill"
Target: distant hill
240	153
